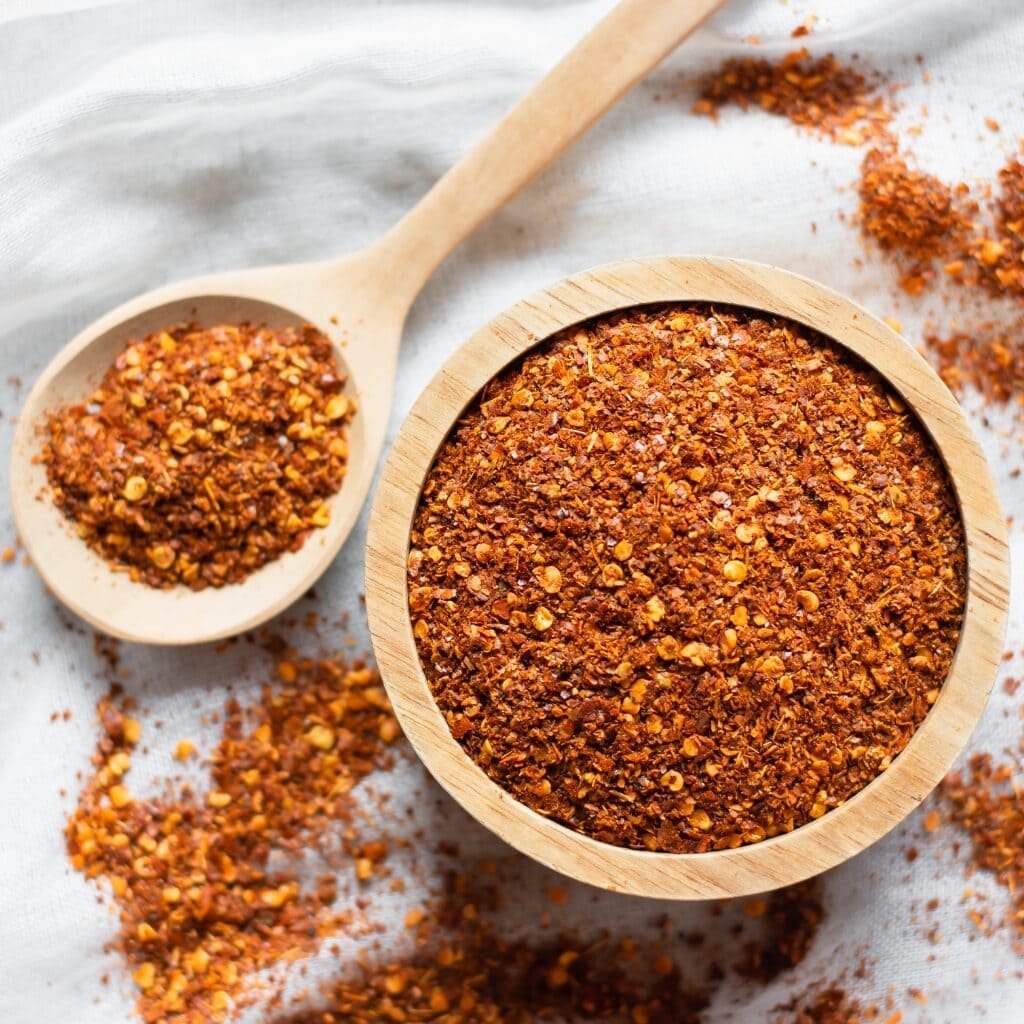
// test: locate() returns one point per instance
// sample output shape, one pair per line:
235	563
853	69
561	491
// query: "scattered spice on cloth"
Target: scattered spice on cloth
685	578
1000	255
989	358
987	803
842	103
467	970
829	1004
792	916
201	907
912	216
204	453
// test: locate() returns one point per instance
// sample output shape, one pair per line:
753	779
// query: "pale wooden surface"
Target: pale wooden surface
820	844
368	294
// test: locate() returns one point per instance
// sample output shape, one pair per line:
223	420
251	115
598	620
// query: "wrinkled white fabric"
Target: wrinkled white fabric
142	142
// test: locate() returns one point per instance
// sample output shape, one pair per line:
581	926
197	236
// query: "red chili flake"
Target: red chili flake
989	806
831	99
686	578
204	453
913	217
201	908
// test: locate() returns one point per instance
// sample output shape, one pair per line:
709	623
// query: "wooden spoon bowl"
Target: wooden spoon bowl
820	844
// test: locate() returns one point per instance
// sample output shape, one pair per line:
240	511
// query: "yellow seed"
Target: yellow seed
746	533
623	550
337	407
199	960
145	932
321	737
167	343
844	473
145	975
287	671
219	1000
672	780
119	762
655	609
171	894
184	750
389	730
321	517
497	424
179	433
364	869
135	488
808	600
690	747
131	730
219	426
218	798
119	796
734	570
550	579
699	819
543	619
740	616
162	556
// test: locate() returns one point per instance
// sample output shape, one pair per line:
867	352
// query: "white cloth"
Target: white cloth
142	142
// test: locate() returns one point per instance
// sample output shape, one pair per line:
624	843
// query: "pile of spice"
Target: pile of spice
466	969
932	231
686	578
842	103
911	215
987	802
204	453
201	907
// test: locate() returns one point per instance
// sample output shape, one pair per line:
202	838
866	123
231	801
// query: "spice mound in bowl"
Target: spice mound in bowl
204	453
686	578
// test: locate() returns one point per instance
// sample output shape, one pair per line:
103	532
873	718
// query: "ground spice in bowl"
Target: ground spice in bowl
204	453
686	578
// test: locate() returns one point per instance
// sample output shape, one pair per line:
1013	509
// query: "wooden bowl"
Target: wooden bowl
820	844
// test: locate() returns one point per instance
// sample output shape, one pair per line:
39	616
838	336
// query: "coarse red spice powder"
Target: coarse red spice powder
201	906
686	578
842	103
987	802
204	453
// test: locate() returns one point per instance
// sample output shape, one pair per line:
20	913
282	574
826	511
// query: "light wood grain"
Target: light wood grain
820	844
359	301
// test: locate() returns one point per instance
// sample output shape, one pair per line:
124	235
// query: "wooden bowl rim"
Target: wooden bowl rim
820	844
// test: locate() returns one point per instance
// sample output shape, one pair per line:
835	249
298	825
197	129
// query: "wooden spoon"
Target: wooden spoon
822	843
360	301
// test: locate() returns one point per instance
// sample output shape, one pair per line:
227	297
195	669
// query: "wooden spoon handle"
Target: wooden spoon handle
631	40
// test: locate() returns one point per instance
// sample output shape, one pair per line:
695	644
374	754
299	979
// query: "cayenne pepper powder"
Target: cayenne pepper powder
201	906
204	453
686	578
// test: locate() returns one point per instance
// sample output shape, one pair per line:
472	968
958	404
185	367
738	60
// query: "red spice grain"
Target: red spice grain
912	216
201	906
1000	253
686	578
831	99
987	803
203	454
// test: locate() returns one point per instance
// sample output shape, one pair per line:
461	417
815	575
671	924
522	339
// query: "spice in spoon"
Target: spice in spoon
686	578
204	453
